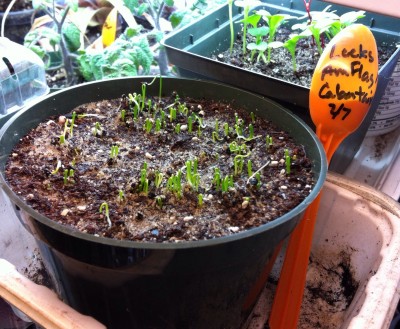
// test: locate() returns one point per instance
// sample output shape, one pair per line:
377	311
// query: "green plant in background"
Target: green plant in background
326	23
124	57
274	22
63	34
246	5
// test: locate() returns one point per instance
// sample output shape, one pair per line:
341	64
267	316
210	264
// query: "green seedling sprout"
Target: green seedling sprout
200	199
253	117
192	175
251	131
249	168
114	152
123	113
96	130
288	161
215	136
290	45
55	171
71	128
259	46
143	97
258	177
238	163
62	139
174	184
236	148
274	22
217	178
226	129
268	141
231	29
144	182
172	114
178	128
121	196
68	175
158	179
159	201
148	125
246	4
226	183
190	123
182	108
158	124
104	206
133	99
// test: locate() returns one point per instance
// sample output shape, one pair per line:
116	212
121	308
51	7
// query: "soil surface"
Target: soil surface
186	178
280	65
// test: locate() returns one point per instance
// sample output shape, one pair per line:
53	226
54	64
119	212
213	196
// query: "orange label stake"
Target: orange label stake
344	81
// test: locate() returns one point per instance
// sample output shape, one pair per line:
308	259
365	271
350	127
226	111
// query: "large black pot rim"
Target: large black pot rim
154	245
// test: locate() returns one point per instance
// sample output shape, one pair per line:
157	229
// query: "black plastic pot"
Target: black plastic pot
18	24
124	284
191	48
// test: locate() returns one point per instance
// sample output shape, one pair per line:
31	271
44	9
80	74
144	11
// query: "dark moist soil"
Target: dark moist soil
18	5
69	182
280	65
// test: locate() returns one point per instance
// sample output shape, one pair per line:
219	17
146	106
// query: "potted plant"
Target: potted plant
197	284
16	17
194	50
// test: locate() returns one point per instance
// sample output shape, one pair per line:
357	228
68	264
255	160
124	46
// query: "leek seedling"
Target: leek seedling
190	123
158	179
62	139
268	141
114	152
217	178
68	175
178	128
192	175
226	183
238	163
288	161
55	171
104	206
71	128
215	136
96	130
121	196
226	129
172	114
200	200
251	131
158	124
148	125
249	168
174	184
144	182
159	201
123	113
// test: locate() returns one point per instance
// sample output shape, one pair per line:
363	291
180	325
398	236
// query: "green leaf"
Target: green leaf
169	3
259	31
72	36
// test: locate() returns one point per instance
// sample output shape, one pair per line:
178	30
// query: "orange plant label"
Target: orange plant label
344	81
